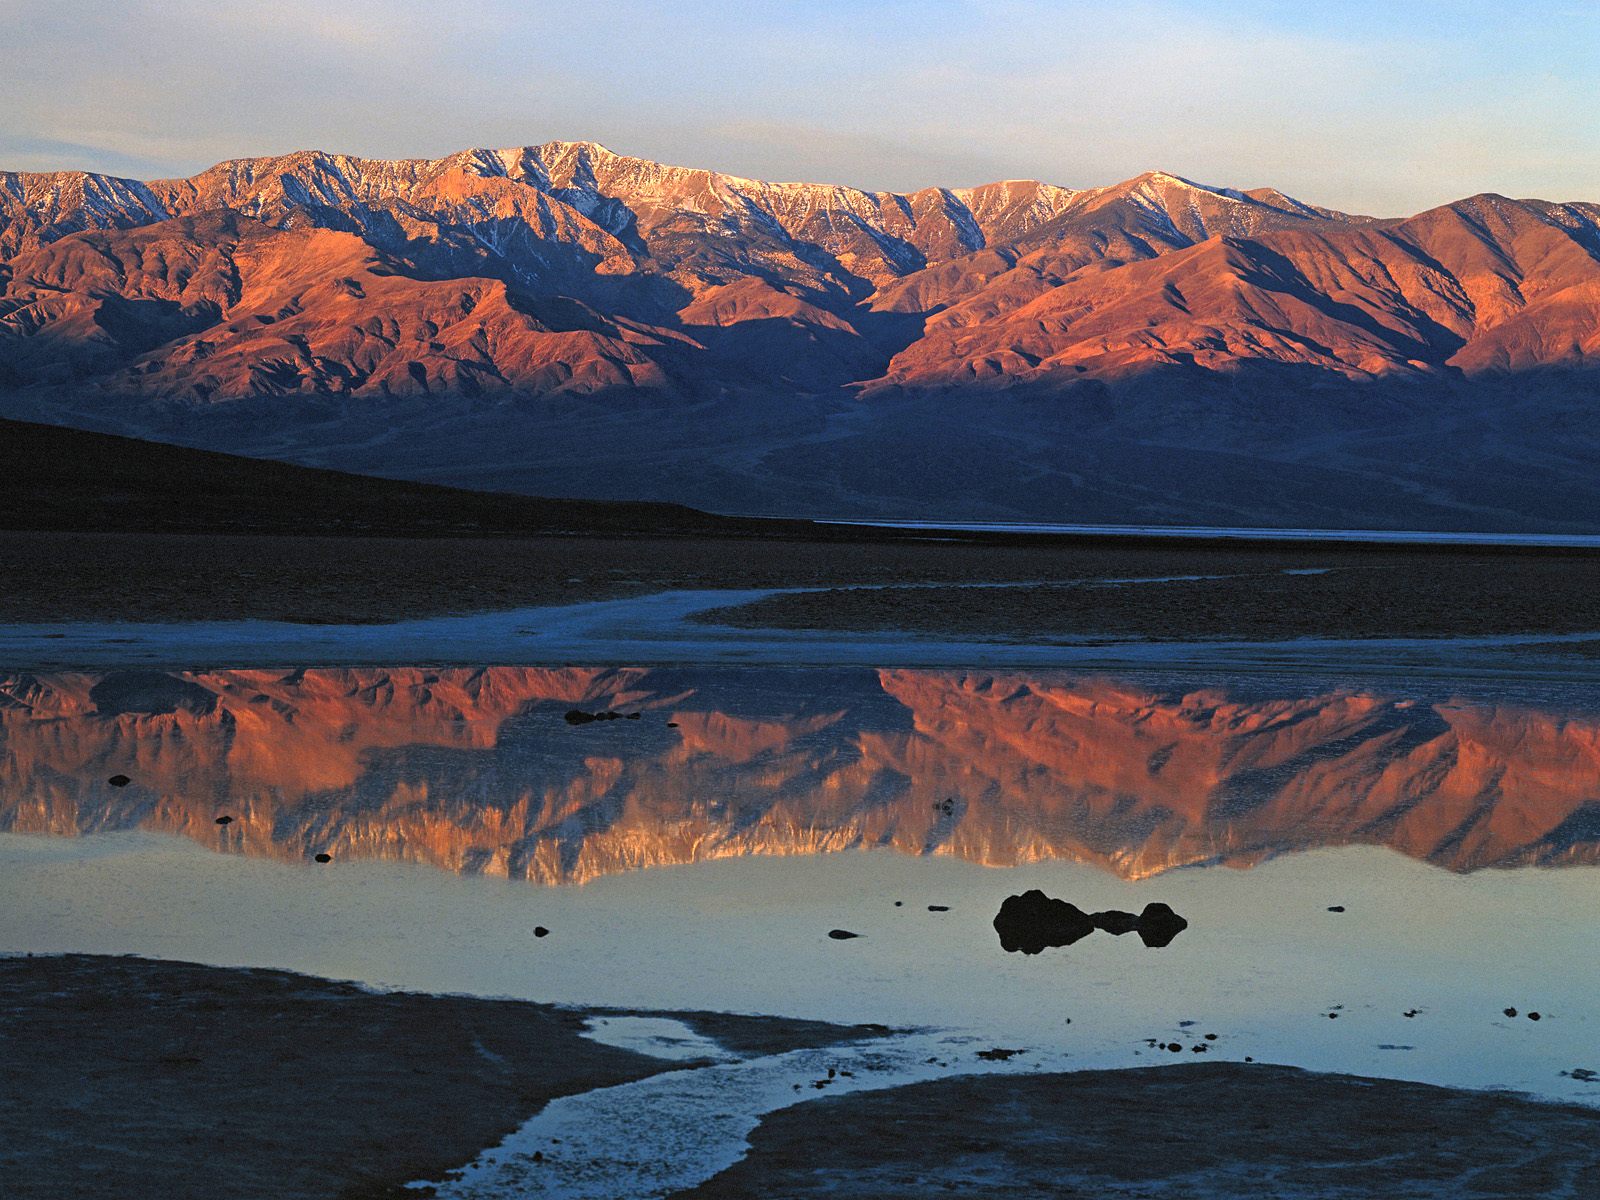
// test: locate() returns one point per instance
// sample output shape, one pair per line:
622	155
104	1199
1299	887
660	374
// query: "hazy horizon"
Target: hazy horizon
1359	109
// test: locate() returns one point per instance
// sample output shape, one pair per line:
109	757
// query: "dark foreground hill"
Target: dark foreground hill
58	479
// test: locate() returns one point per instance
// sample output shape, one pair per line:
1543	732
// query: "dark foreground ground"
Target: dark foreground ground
129	1079
1261	596
910	586
1205	1131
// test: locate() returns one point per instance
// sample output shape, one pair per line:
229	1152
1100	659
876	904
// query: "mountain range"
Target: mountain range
562	320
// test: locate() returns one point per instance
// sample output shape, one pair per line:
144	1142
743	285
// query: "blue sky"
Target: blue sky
1383	108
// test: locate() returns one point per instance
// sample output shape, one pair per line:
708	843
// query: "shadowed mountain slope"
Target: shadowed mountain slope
72	479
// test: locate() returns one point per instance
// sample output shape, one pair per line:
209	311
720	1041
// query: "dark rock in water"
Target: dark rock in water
1510	1012
938	908
1333	1016
1032	921
1158	925
540	931
576	716
1211	1037
1175	1047
1335	908
842	935
1533	1016
899	903
1582	1074
224	820
324	858
999	1054
119	781
150	693
1114	921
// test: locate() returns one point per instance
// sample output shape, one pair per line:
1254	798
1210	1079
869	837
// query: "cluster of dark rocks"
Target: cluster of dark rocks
1031	922
576	716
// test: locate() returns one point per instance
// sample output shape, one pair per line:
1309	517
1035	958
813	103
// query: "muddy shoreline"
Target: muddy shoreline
134	1077
64	577
126	1077
1197	1131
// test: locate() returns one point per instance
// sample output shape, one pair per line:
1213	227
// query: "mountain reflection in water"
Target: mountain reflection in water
477	770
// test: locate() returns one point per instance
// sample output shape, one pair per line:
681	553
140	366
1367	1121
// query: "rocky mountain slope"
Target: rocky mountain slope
563	320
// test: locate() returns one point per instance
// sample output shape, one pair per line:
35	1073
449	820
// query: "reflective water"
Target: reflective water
481	771
953	788
670	628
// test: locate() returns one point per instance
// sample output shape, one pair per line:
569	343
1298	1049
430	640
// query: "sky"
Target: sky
1385	108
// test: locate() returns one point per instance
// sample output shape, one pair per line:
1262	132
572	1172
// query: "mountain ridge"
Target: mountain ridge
745	345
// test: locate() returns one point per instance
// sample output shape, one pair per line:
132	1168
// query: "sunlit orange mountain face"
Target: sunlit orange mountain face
562	320
481	771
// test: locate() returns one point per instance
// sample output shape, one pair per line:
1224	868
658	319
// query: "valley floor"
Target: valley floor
994	589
